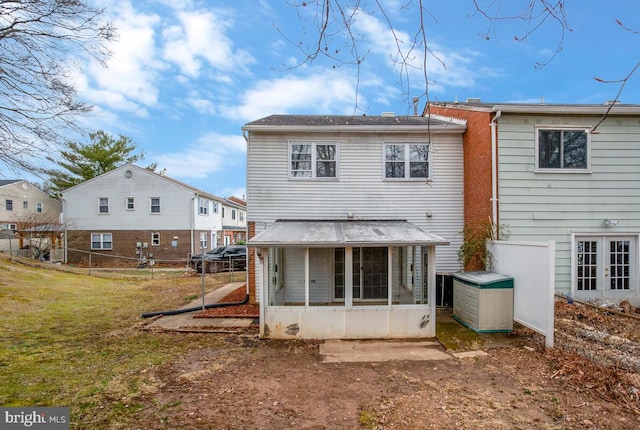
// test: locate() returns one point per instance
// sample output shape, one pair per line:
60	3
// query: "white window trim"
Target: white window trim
537	169
203	207
126	203
407	170
39	207
313	144
101	241
154	242
151	206
204	240
100	205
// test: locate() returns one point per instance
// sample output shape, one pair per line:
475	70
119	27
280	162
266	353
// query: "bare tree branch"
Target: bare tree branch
40	40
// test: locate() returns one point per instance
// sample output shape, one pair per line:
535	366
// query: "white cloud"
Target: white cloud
315	93
200	37
445	67
211	153
130	81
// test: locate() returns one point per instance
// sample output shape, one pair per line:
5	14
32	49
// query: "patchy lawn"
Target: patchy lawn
73	340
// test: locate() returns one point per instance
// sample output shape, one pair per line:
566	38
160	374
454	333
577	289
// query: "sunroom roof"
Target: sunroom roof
341	233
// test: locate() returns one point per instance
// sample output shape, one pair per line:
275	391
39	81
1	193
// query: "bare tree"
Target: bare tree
39	41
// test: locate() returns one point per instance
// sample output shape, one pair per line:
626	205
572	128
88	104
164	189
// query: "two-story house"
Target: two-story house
345	215
26	213
567	173
133	213
234	221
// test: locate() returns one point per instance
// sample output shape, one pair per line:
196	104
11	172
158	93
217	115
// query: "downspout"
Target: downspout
194	202
494	169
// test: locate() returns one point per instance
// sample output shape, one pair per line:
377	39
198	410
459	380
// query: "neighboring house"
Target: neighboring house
345	213
567	173
234	221
135	213
27	213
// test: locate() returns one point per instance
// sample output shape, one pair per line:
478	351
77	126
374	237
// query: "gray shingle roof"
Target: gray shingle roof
344	120
4	182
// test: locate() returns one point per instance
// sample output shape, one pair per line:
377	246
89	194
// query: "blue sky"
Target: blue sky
185	76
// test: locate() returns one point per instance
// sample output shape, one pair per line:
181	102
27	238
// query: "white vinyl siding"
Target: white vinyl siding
543	206
361	190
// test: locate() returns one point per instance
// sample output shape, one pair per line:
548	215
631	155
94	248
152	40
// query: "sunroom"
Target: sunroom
346	279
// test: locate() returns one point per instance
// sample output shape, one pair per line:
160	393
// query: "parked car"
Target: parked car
196	260
233	257
222	258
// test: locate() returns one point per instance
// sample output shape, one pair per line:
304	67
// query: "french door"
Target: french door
369	274
605	264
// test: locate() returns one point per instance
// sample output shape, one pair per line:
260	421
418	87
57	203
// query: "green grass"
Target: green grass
74	340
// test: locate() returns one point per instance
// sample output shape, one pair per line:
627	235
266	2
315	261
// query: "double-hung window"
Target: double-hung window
101	241
155	205
103	205
203	206
406	161
131	203
562	149
39	207
25	204
203	240
8	204
233	214
313	160
155	238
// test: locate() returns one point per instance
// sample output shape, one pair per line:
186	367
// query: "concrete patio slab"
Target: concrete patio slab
358	351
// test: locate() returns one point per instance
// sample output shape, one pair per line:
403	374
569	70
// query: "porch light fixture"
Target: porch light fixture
610	222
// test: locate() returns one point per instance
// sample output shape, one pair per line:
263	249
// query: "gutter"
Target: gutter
494	167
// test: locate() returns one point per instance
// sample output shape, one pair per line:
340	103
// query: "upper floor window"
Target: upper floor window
406	161
313	159
155	238
101	241
8	204
103	205
233	214
155	205
214	207
203	207
241	216
25	204
562	149
223	212
131	203
39	207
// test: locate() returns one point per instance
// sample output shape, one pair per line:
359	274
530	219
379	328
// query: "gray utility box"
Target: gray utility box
483	301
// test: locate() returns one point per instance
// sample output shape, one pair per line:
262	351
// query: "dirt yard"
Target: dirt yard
256	384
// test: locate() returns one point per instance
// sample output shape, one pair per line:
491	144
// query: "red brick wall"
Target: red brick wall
477	170
124	245
477	162
251	263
